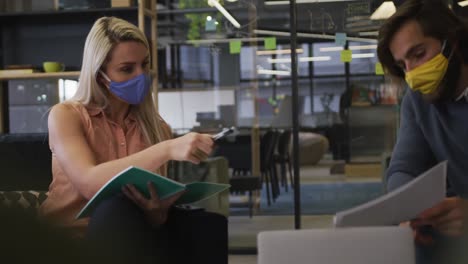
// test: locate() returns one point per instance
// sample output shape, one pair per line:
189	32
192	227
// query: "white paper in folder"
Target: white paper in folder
400	205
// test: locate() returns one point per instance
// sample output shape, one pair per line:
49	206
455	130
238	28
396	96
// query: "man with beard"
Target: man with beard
425	44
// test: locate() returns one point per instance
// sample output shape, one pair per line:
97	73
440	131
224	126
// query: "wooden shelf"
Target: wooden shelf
67	12
42	75
110	10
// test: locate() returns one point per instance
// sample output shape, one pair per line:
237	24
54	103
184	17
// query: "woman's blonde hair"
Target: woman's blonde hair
104	35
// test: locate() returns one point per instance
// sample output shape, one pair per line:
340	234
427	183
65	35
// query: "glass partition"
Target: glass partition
234	69
224	63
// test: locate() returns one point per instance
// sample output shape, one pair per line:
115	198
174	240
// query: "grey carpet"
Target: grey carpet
318	198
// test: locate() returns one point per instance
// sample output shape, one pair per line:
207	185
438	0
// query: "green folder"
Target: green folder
165	188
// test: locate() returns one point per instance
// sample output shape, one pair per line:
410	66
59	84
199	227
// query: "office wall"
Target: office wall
179	108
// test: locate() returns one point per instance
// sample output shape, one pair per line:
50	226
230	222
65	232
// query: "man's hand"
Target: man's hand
449	217
419	234
155	209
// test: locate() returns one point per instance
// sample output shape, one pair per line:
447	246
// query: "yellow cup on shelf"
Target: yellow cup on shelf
53	66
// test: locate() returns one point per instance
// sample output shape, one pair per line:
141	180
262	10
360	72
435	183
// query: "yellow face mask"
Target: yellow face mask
427	77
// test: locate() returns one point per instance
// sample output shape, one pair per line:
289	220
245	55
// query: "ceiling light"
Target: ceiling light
463	3
360	47
282	60
222	40
302	59
363	47
278	52
369	33
384	11
326	49
225	13
303	2
316	58
362	55
273	72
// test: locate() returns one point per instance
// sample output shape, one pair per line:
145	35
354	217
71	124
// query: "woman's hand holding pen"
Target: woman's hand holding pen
193	147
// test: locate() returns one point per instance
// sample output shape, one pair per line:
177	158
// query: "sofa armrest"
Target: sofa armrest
27	200
214	169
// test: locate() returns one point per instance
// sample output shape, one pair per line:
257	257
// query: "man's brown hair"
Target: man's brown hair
435	19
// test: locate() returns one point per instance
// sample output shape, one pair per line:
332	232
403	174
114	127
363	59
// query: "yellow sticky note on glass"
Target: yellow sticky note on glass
270	43
346	56
379	69
235	46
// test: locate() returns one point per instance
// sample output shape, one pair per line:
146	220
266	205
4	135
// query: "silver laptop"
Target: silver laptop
358	245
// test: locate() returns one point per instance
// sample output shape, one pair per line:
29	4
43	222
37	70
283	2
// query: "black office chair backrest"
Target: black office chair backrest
284	142
238	153
267	148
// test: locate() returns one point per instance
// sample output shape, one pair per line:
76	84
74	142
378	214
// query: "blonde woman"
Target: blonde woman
110	124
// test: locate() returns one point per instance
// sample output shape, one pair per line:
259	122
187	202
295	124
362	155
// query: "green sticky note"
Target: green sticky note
346	56
379	69
270	43
235	46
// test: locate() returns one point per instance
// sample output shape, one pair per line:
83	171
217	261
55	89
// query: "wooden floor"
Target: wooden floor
243	230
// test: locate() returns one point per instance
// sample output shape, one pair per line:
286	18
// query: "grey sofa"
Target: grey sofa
26	173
